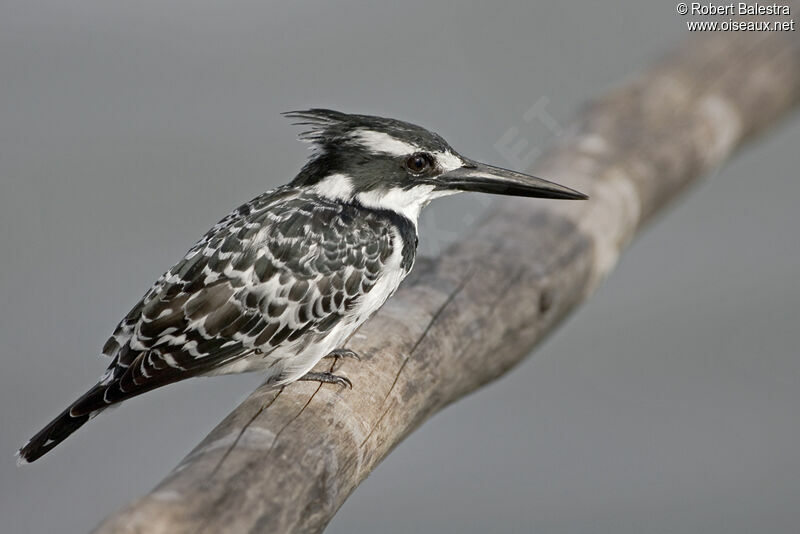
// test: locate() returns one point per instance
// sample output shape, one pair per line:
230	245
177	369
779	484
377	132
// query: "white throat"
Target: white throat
405	202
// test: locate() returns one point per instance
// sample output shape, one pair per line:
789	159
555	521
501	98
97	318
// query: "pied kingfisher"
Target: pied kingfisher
286	278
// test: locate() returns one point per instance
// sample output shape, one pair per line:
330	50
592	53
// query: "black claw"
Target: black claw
327	378
343	353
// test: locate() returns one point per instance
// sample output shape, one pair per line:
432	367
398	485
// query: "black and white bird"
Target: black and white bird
286	278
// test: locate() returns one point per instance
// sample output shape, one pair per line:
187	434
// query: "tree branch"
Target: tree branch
285	460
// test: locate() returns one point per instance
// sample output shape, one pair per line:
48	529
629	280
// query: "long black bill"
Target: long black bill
483	178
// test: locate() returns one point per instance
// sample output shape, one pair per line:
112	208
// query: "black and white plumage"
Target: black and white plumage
286	278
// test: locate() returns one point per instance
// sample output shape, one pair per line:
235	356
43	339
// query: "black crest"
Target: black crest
329	129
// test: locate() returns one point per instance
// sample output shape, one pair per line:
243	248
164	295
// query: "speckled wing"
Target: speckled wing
286	267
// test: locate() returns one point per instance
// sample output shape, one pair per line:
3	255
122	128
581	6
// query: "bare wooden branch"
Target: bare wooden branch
285	461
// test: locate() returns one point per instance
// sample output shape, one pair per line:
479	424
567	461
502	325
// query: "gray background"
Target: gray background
667	404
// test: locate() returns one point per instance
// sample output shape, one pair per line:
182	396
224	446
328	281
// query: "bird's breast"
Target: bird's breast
393	272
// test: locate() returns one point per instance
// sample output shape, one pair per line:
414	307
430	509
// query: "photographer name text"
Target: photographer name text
740	8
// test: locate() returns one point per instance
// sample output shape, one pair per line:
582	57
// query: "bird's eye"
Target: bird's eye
418	163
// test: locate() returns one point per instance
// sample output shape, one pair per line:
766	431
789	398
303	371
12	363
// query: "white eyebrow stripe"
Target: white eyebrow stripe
447	160
384	143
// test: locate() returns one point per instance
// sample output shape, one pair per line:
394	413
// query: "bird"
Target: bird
286	278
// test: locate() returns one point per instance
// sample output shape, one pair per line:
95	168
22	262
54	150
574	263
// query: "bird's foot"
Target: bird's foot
327	378
343	353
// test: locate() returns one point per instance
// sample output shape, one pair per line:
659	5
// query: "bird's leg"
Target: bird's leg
343	353
327	378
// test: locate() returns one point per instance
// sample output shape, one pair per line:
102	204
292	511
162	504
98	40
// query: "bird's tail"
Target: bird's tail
57	430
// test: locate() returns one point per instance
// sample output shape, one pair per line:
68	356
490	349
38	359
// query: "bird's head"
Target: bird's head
394	165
